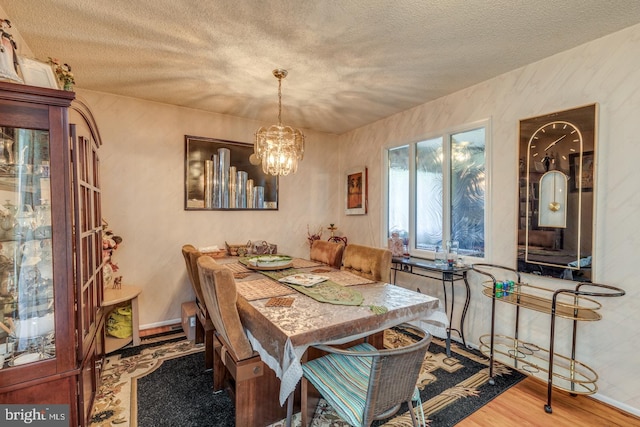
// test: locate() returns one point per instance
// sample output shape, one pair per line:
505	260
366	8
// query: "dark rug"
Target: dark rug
182	383
451	389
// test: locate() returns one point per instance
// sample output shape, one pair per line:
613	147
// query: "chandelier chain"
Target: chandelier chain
280	101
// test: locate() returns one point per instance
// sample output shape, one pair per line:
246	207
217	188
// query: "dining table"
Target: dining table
283	320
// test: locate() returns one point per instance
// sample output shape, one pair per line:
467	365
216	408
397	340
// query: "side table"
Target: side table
112	297
428	268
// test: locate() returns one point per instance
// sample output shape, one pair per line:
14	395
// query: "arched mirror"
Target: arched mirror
556	198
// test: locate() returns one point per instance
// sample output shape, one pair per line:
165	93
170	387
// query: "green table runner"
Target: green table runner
327	291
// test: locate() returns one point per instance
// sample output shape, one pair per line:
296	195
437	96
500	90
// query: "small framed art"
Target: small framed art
586	179
356	191
36	73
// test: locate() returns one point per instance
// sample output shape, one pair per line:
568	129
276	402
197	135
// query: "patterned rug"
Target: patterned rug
144	386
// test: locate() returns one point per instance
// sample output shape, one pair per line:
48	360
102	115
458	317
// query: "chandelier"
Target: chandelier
278	147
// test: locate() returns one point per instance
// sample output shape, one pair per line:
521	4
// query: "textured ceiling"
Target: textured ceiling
350	63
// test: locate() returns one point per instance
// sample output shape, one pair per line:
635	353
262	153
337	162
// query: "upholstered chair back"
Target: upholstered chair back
191	255
329	253
368	262
220	296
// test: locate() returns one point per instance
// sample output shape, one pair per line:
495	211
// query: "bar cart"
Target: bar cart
575	303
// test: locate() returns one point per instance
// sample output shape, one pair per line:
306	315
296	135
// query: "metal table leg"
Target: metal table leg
450	278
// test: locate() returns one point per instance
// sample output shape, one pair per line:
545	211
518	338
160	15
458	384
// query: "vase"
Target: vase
68	87
107	275
396	244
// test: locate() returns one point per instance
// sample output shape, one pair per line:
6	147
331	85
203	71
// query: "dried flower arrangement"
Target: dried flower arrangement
110	243
315	236
63	73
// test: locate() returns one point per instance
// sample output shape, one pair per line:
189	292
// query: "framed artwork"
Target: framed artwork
219	176
587	171
356	191
36	73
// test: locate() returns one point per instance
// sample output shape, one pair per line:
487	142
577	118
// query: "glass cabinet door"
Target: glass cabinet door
27	323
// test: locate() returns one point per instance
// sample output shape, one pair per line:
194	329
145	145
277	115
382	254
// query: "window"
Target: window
436	191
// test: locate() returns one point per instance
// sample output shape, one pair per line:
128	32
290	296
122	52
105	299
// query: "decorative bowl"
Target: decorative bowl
269	262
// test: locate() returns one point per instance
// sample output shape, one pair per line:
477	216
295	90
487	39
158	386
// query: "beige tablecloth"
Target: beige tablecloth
281	335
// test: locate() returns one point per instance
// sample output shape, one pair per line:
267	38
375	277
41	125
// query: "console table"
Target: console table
112	297
428	268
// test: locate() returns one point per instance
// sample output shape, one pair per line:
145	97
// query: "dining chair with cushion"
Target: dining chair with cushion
329	253
237	367
368	262
204	326
363	384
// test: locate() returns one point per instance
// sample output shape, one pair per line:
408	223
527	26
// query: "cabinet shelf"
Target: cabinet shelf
112	344
113	297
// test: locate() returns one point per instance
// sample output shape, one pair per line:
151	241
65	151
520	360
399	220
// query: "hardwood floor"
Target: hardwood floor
523	405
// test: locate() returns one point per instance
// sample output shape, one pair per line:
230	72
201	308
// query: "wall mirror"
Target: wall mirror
556	197
219	176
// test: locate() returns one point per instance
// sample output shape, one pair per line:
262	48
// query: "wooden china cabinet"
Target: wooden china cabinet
51	332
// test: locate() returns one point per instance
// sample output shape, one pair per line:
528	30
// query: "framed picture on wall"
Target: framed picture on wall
356	191
219	176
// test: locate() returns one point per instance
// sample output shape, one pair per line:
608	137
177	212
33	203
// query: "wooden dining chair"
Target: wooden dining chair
237	367
363	384
329	253
204	326
368	262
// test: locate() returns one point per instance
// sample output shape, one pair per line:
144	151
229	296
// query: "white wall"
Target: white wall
606	71
142	173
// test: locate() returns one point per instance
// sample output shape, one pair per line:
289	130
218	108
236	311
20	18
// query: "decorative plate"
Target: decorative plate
304	279
269	262
25	358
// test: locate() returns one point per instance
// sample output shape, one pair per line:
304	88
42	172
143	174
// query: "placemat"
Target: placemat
227	260
346	278
236	267
305	263
262	288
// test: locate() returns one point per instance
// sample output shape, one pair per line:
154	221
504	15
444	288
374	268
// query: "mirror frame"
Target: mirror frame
560	249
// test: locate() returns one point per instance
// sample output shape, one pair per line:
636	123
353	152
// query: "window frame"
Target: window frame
446	196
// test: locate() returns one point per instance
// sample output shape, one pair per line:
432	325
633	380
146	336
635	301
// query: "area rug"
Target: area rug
146	389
